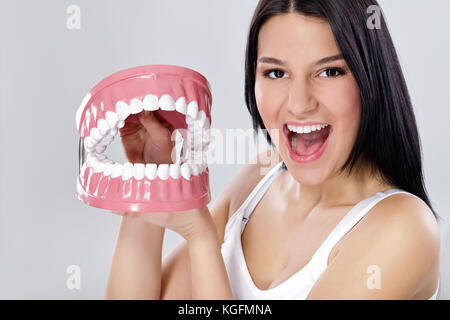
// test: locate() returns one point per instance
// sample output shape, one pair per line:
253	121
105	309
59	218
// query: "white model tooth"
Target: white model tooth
89	148
138	171
108	161
100	148
122	110
120	124
300	130
88	143
190	121
181	106
174	170
95	135
201	118
113	132
163	171
99	166
150	171
111	119
195	170
207	124
185	171
166	103
103	127
108	169
90	159
127	171
150	102
102	143
117	170
307	129
192	109
100	157
136	106
108	139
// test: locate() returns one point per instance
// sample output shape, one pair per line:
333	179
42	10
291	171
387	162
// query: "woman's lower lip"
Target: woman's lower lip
309	158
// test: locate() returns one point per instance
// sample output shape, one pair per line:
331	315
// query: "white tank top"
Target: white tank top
300	284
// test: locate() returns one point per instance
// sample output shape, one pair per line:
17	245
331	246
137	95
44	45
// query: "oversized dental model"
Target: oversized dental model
180	96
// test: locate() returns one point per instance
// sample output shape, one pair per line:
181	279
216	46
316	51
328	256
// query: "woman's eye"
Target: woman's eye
332	72
277	74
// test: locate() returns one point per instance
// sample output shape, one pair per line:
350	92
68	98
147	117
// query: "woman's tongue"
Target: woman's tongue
305	144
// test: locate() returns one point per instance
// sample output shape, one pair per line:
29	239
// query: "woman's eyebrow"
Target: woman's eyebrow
272	61
317	63
328	59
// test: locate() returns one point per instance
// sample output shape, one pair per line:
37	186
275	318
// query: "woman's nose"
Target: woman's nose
301	100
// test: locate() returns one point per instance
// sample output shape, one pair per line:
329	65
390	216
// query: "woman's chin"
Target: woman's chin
309	177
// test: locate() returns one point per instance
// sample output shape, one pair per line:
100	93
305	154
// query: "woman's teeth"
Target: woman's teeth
309	137
307	129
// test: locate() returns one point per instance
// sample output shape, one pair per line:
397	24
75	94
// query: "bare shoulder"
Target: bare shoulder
249	176
406	215
397	243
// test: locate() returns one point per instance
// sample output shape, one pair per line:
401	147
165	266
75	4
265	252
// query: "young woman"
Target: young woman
343	215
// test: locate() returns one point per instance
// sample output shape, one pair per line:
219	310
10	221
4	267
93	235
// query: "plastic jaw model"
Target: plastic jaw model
180	96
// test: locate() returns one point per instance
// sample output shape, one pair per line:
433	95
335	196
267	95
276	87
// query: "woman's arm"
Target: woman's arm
176	268
208	274
136	265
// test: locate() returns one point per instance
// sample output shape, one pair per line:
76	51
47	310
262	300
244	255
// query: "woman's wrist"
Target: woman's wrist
139	226
203	228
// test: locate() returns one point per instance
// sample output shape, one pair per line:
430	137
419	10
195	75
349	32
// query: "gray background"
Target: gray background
47	69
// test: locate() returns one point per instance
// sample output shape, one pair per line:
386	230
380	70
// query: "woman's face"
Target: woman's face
295	88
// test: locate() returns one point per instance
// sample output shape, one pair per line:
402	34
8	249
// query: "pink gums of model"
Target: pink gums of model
179	95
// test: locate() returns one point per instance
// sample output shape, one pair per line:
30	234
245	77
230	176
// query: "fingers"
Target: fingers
129	128
149	121
152	121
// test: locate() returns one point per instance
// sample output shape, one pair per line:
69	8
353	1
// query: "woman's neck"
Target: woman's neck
338	190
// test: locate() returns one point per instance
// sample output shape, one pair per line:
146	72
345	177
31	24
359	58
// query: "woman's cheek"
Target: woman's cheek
266	100
347	112
262	102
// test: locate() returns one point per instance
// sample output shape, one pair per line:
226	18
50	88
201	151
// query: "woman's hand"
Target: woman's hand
189	224
149	140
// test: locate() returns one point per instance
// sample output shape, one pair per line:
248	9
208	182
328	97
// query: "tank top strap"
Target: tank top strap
255	196
238	219
352	217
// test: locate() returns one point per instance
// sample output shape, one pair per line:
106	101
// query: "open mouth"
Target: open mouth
177	95
308	142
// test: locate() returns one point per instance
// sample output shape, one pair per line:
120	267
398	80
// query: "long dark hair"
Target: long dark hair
388	139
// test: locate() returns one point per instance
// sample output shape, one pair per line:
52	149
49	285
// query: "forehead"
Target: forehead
293	37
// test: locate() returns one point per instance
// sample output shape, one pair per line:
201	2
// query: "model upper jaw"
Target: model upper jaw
196	123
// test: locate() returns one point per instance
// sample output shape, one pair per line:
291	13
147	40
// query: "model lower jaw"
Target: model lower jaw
306	158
